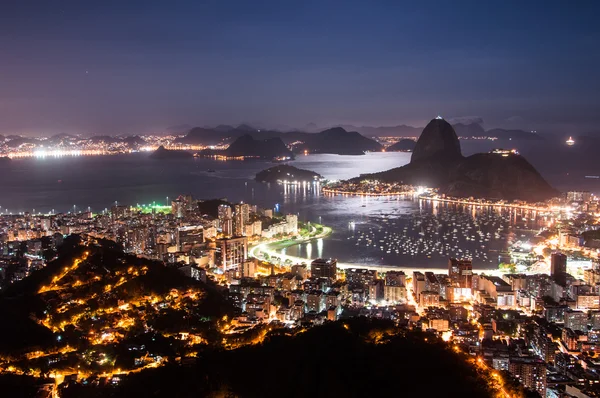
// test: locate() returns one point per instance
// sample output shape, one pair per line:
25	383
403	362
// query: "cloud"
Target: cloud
466	120
514	119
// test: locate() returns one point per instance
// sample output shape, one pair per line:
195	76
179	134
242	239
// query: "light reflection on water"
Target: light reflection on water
97	182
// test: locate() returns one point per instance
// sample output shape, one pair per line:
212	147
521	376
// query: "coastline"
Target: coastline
276	252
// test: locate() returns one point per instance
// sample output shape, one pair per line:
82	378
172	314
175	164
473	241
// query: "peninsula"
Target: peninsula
437	162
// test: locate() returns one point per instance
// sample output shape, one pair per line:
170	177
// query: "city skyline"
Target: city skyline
143	67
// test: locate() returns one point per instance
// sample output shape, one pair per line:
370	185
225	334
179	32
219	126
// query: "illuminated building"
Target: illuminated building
360	276
576	320
225	220
429	299
315	301
588	302
376	290
394	294
178	208
232	252
324	268
531	373
395	278
188	237
118	212
570	141
579	196
292	223
498	290
418	281
440	325
460	272
248	269
241	218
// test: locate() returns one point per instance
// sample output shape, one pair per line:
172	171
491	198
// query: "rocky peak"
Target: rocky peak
437	142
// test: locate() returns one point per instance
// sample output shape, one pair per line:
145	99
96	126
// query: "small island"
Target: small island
4	159
164	153
287	174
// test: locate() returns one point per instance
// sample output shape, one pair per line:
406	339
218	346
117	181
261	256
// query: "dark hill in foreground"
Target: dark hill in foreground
437	162
363	359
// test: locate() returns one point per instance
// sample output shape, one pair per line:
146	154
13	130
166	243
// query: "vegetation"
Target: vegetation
353	358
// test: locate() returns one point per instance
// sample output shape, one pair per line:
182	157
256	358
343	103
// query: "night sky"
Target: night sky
131	67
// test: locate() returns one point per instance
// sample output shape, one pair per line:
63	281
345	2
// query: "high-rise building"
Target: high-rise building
225	219
558	264
576	320
394	294
376	291
292	221
460	273
579	196
241	217
178	208
418	281
233	252
324	268
395	278
188	237
531	373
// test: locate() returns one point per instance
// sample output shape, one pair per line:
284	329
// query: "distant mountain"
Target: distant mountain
16	141
163	153
109	139
403	145
203	136
469	130
401	130
335	140
246	127
269	148
437	162
338	141
179	129
503	134
310	128
134	141
224	128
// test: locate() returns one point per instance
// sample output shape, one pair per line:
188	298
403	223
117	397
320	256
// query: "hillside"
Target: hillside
97	301
353	343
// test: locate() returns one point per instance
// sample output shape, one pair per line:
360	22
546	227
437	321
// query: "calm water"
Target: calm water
367	230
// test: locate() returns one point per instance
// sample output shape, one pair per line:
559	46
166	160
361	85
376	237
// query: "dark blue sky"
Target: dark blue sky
128	66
